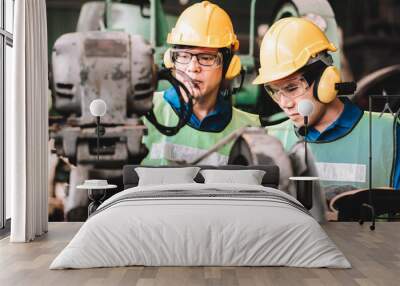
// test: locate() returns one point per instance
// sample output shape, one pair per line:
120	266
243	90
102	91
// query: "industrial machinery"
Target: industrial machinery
113	66
118	68
382	81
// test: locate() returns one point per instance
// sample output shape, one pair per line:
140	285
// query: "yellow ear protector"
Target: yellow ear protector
325	89
232	71
168	63
327	80
234	68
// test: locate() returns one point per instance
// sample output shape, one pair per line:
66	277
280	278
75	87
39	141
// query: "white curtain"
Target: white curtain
27	123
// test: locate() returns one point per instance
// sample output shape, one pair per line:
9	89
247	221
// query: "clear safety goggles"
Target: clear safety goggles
184	57
297	87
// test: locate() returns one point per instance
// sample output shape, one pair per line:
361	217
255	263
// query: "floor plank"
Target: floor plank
374	255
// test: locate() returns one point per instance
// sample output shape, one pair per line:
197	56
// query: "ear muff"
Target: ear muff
324	86
168	63
233	68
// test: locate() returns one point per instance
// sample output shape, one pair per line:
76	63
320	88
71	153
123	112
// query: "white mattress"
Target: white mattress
184	230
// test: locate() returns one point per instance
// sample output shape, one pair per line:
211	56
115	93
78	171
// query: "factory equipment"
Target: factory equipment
118	68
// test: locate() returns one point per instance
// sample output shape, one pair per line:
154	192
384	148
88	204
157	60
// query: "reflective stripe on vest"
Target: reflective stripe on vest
175	152
345	161
189	143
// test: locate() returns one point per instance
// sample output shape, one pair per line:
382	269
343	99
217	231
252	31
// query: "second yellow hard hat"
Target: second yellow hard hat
288	46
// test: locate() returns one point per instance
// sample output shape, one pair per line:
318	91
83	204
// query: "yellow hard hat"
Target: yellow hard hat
288	46
204	25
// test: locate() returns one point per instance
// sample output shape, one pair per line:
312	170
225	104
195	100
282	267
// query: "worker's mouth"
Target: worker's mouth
294	116
197	83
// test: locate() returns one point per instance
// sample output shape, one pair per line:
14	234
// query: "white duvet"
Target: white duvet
184	230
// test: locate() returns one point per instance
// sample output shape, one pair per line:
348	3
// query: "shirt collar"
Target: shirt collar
215	121
349	115
347	119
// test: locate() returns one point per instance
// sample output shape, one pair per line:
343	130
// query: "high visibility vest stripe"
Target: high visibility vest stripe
181	153
342	172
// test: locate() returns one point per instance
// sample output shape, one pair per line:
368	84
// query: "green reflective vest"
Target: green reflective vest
189	143
345	161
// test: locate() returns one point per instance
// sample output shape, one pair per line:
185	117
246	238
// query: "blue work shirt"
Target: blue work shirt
347	120
215	121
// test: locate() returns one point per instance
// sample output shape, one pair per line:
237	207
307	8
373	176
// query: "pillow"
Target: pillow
248	177
163	176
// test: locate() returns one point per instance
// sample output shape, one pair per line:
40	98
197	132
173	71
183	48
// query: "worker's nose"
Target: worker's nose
193	65
286	102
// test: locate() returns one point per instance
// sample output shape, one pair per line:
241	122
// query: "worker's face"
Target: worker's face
288	92
200	66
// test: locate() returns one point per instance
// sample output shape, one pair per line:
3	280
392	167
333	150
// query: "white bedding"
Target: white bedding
184	230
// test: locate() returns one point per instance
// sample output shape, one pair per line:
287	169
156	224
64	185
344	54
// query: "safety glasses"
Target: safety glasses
184	57
294	88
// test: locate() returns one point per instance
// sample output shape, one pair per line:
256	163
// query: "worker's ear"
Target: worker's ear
168	63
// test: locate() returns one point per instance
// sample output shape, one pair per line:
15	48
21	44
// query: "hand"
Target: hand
192	87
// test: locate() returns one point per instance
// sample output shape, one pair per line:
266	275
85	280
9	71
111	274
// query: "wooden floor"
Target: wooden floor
375	257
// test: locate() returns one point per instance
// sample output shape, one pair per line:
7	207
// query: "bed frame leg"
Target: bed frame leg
363	215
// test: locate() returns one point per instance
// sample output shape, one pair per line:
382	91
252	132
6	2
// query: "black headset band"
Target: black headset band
227	55
313	72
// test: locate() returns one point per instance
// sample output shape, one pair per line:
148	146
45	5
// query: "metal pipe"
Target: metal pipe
98	136
108	14
305	139
252	20
370	152
153	19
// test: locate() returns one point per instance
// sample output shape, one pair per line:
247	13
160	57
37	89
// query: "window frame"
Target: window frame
6	39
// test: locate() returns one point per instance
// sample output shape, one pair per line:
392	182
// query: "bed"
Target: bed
203	223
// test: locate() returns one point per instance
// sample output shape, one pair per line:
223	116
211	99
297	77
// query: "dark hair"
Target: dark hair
227	55
313	71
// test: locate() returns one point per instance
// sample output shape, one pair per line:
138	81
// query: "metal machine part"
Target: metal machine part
381	81
118	68
256	147
114	66
139	17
